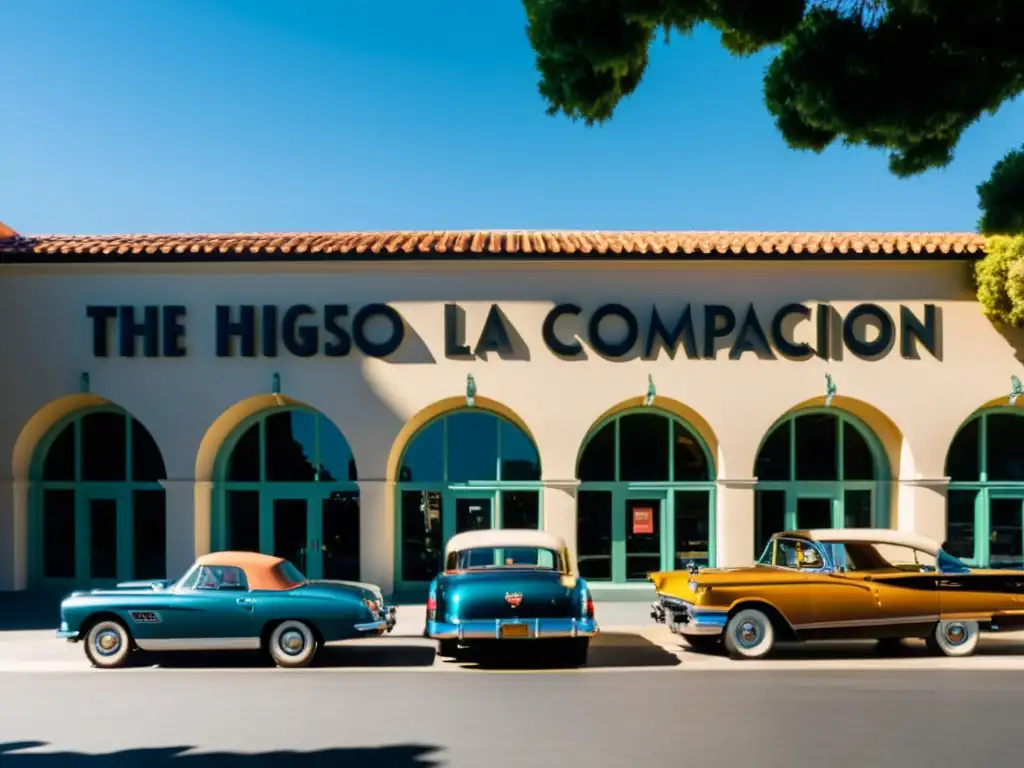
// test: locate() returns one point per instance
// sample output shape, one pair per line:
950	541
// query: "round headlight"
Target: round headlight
693	586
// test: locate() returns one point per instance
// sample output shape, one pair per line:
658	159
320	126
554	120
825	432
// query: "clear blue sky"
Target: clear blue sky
289	115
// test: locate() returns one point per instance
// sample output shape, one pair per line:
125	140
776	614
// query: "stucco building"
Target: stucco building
352	400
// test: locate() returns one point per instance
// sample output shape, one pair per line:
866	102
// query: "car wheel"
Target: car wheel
749	635
108	644
701	644
292	644
576	652
955	638
448	648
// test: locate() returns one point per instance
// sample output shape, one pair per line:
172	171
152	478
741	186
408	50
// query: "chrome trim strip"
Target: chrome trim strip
922	619
71	635
484	629
380	626
200	644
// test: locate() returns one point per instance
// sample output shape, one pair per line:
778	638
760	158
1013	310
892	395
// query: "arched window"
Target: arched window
646	498
465	470
819	469
985	505
286	485
99	505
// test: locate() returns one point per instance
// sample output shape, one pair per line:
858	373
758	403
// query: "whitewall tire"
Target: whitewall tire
749	634
108	644
292	644
955	638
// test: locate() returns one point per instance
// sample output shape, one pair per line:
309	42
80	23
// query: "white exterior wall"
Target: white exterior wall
46	342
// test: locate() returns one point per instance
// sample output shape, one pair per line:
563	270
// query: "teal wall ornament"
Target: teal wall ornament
470	391
1015	389
651	391
830	390
275	384
83	382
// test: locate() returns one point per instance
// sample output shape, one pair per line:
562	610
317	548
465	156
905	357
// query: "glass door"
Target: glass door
644	539
814	512
104	537
1005	530
334	551
285	531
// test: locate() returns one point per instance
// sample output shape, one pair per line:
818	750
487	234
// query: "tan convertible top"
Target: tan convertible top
867	536
504	537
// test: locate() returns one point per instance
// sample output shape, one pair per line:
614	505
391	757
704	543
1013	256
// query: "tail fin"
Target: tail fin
658	578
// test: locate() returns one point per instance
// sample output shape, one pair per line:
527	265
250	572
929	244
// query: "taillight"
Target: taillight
590	608
431	607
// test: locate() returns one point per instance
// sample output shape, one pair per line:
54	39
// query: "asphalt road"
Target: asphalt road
252	718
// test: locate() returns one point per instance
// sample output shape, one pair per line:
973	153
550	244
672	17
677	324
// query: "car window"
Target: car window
790	553
221	577
504	557
188	581
292	575
903	556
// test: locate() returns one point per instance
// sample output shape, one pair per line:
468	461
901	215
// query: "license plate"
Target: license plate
515	630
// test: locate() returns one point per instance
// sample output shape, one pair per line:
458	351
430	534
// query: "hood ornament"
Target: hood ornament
692	567
514	598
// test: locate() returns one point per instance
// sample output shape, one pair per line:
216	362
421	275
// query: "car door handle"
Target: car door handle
245	601
945	583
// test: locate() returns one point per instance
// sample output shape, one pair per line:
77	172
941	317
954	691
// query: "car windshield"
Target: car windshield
504	557
291	574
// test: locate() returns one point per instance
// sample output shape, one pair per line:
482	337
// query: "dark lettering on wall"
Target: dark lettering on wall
454	344
683	331
853	325
790	350
342	343
751	338
494	336
613	348
299	340
244	328
556	345
390	344
130	328
268	330
715	330
173	330
101	317
824	327
913	330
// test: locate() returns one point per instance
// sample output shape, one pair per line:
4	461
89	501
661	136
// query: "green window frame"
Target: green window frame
838	492
312	492
969	503
450	493
665	492
123	493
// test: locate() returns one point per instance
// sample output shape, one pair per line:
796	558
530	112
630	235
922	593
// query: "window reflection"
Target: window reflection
1005	437
336	460
816	448
964	458
290	447
689	463
422	547
773	459
960	526
520	509
472	443
693	534
597	464
423	460
519	458
857	459
244	461
594	534
643	447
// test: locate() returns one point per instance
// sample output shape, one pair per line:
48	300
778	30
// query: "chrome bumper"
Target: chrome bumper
484	629
71	635
380	626
686	619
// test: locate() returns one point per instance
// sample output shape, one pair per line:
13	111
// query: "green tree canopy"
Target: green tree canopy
904	76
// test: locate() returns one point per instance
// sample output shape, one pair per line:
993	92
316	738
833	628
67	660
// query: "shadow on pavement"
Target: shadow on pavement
397	756
608	649
840	650
367	656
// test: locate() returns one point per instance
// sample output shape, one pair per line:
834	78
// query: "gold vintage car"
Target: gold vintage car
834	584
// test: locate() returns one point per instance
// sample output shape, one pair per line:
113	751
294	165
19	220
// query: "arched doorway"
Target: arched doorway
646	498
465	470
99	513
985	505
819	468
286	485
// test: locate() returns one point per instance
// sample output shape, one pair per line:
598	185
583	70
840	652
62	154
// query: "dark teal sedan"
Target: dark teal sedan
225	601
508	585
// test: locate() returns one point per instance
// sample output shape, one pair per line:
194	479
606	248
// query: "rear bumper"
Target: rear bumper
380	626
536	629
71	635
687	619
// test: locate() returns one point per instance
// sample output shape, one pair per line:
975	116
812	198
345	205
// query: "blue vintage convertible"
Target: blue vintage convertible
510	585
225	601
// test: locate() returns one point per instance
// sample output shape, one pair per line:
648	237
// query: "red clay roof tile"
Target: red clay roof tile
487	244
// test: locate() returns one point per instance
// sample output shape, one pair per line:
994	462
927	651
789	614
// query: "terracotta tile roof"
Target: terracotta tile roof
489	245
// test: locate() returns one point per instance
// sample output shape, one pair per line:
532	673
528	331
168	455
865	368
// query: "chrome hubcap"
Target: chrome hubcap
107	642
956	634
749	633
292	642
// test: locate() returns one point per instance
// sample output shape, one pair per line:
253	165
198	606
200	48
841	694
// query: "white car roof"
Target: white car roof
877	536
504	537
